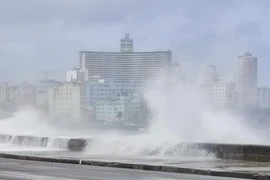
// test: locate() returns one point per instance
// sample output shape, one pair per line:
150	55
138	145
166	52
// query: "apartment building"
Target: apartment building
123	107
105	90
23	94
220	95
4	92
126	65
264	98
64	101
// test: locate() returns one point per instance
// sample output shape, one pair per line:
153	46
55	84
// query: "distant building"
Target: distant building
77	75
22	95
221	95
4	92
126	65
71	75
210	75
247	80
42	92
264	98
104	90
121	108
64	101
177	72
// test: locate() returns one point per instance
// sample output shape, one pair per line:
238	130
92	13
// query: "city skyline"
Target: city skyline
83	71
51	39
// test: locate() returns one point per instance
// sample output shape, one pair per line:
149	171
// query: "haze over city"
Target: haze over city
47	35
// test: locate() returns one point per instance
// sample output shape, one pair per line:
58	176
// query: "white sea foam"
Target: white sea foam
181	114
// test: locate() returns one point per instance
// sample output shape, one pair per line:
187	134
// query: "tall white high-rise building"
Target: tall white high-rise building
247	80
126	65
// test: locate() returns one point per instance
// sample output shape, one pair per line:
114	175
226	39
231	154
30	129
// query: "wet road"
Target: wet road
199	162
30	170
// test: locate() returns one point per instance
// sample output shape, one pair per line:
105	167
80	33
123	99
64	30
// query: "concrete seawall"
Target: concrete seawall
73	144
258	153
77	144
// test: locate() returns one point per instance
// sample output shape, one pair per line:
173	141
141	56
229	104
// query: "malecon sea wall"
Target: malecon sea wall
75	144
245	152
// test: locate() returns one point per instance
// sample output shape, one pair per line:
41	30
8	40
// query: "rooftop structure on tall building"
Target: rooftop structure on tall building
126	44
126	65
247	80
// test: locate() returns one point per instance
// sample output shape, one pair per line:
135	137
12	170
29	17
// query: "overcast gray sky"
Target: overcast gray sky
37	35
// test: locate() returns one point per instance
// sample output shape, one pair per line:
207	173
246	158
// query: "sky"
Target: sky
46	35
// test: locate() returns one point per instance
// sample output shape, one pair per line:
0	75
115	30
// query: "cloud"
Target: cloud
47	34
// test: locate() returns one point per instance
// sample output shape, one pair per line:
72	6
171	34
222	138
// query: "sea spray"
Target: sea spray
181	114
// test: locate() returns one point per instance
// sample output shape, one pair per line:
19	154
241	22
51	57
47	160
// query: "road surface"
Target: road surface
31	170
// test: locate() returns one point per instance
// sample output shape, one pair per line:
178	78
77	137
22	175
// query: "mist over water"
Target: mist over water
180	114
30	121
183	114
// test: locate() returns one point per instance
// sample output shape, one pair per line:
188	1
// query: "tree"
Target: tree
120	115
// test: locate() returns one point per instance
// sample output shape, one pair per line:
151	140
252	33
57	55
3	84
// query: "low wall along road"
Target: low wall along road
259	153
223	151
74	144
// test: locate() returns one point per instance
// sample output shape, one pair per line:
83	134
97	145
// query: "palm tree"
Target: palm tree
120	115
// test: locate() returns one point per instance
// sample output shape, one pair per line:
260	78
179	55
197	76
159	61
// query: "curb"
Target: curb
36	158
175	170
140	167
